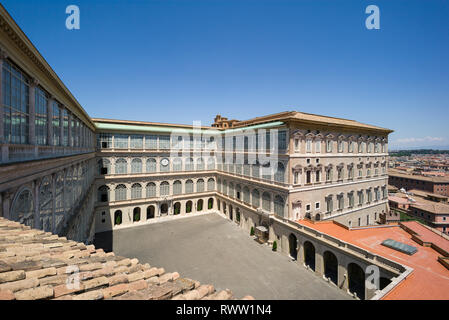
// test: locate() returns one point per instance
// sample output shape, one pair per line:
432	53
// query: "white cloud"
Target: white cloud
424	140
418	142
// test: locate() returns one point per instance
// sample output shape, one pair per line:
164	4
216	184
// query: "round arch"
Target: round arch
356	280
309	255
293	246
330	266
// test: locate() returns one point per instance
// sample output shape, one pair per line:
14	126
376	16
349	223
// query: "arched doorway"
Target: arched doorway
189	206
164	209
199	205
356	280
309	255
177	208
331	266
136	214
231	213
150	212
117	217
210	203
237	215
293	245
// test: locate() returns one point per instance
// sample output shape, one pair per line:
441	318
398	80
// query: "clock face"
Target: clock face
164	162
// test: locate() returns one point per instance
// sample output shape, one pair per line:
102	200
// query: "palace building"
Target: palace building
311	183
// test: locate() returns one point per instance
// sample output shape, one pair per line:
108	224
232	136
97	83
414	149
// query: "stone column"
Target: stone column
32	109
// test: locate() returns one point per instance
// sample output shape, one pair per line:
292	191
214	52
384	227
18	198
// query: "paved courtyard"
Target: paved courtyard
215	251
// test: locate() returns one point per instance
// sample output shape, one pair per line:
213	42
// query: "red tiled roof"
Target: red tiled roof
429	279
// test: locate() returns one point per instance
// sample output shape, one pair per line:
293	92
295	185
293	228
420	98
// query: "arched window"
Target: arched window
211	164
279	206
103	194
189	206
211	184
104	166
150	212
164	188
246	195
177	164
256	198
136	191
200	185
177	187
136	214
121	166
22	209
189	164
151	190
177	208
117	217
279	175
210	203
151	165
266	201
200	164
136	166
189	186
120	192
199	205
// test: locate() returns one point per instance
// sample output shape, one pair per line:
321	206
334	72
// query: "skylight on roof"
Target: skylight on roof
399	246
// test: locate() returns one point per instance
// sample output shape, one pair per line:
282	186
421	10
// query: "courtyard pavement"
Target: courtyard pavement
214	250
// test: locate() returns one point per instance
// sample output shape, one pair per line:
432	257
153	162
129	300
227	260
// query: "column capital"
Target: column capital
33	82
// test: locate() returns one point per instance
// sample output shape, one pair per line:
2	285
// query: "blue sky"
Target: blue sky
180	61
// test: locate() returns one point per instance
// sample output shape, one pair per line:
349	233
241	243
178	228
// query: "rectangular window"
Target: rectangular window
15	86
56	122
340	146
151	142
65	123
329	145
282	140
318	146
308	145
351	199
296	144
105	141
164	142
351	146
121	141
41	116
136	142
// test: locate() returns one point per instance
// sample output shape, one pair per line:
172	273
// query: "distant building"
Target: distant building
438	185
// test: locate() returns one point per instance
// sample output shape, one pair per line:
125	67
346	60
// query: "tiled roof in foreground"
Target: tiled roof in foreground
34	265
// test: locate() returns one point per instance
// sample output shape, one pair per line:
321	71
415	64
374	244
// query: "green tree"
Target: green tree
275	245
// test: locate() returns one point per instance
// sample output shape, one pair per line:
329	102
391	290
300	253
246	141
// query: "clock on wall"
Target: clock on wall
164	162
